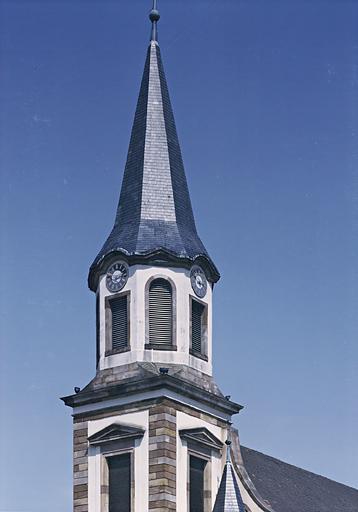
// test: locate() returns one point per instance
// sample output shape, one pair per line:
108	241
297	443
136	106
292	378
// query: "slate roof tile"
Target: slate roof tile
288	488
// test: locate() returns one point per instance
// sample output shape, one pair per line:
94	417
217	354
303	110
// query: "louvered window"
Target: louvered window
119	469
119	321
197	324
196	484
160	312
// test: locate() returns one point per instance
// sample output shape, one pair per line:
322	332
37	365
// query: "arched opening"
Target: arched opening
160	313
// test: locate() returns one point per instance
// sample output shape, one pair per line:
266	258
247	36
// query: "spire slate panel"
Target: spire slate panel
154	218
228	498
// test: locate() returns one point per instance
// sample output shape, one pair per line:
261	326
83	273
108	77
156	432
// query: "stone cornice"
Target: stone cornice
150	384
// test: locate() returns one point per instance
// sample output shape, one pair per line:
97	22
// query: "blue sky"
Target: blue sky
265	96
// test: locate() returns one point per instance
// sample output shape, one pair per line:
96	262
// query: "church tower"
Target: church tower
150	428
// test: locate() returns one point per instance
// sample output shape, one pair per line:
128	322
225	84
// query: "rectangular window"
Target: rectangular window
119	323
196	484
197	327
119	481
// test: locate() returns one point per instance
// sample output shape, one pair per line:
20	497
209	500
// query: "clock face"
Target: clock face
198	281
117	276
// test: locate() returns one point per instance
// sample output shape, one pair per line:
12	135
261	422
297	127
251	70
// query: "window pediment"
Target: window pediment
115	432
201	436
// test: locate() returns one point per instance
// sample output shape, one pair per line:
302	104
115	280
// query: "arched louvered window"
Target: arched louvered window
160	313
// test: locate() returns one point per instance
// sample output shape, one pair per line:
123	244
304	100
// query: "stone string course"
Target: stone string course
138	406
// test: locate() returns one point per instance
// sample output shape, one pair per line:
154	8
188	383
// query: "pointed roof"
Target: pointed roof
154	220
228	498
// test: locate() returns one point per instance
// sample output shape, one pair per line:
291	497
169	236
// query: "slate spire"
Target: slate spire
228	498
154	221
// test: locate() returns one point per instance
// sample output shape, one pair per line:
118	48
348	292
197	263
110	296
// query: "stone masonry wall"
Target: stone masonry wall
162	450
162	457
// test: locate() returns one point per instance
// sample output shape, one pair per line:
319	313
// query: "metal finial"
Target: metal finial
154	17
228	443
228	453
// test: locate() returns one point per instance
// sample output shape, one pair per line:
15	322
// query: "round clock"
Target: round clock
117	276
198	281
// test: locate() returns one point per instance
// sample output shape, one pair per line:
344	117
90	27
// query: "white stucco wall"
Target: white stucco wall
185	421
138	277
141	464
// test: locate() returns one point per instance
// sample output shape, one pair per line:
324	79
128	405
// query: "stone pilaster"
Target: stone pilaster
80	467
162	457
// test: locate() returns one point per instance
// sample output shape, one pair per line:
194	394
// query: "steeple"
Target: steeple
149	426
154	221
228	498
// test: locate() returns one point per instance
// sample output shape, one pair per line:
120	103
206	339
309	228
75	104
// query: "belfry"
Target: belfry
152	430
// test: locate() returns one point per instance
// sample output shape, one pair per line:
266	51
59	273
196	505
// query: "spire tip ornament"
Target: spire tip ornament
228	452
228	498
228	444
154	17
